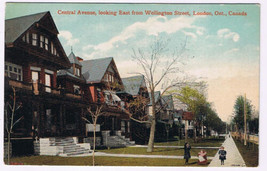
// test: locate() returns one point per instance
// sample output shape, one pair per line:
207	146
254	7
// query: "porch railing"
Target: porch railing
19	84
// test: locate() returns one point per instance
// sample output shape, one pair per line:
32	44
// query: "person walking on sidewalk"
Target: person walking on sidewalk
187	155
222	155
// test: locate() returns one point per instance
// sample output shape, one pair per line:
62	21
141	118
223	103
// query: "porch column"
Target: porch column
61	118
41	120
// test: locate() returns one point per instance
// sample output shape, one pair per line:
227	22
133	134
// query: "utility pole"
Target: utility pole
225	127
245	122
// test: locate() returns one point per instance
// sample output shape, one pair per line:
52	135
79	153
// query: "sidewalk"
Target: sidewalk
135	156
158	146
233	157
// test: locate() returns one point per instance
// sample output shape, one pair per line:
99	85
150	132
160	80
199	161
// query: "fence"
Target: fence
250	138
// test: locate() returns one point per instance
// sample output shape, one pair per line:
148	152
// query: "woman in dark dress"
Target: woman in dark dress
222	155
187	155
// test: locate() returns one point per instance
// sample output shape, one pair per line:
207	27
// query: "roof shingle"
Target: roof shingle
16	26
132	84
94	70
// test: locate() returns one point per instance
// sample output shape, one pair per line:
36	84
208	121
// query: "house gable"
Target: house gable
112	70
37	35
95	70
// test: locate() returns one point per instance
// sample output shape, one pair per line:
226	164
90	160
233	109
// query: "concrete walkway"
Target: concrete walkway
135	156
233	157
158	146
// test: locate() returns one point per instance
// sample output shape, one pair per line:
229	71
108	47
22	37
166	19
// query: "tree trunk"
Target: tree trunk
94	143
153	124
151	136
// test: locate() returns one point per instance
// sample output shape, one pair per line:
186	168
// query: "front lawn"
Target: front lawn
157	151
102	161
207	142
250	153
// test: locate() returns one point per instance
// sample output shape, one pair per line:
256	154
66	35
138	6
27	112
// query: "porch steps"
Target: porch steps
116	140
61	146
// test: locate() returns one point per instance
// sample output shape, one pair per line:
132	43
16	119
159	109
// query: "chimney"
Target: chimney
79	59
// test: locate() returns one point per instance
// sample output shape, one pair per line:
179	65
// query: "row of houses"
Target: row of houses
54	92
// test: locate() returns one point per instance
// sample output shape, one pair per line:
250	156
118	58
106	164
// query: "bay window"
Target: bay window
13	71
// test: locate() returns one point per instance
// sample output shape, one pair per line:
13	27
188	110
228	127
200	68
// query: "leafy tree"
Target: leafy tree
213	121
239	112
195	101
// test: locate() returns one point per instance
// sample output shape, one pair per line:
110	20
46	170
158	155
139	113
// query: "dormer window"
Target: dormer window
77	72
34	39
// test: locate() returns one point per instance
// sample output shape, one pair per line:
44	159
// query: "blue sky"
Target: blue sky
226	48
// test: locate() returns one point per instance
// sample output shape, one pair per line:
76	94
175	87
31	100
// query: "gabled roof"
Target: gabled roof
168	101
156	95
17	26
132	84
94	70
73	59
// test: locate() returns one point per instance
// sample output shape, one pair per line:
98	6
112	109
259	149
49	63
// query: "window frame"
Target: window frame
46	43
42	41
52	48
12	70
34	39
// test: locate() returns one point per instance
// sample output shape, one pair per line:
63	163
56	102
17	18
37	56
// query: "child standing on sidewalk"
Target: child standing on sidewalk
222	155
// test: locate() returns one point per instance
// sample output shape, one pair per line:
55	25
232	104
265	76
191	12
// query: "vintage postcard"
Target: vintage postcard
131	84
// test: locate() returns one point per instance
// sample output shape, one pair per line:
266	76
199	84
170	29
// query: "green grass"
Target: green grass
250	153
208	142
157	151
102	161
123	161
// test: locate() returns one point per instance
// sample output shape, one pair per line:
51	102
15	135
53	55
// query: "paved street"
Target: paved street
233	157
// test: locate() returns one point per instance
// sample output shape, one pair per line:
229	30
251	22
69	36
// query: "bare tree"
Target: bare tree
11	106
158	58
94	114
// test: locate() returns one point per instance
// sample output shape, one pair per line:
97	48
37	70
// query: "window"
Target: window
46	43
13	71
34	39
41	41
35	76
52	47
77	72
77	89
109	78
48	83
106	78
